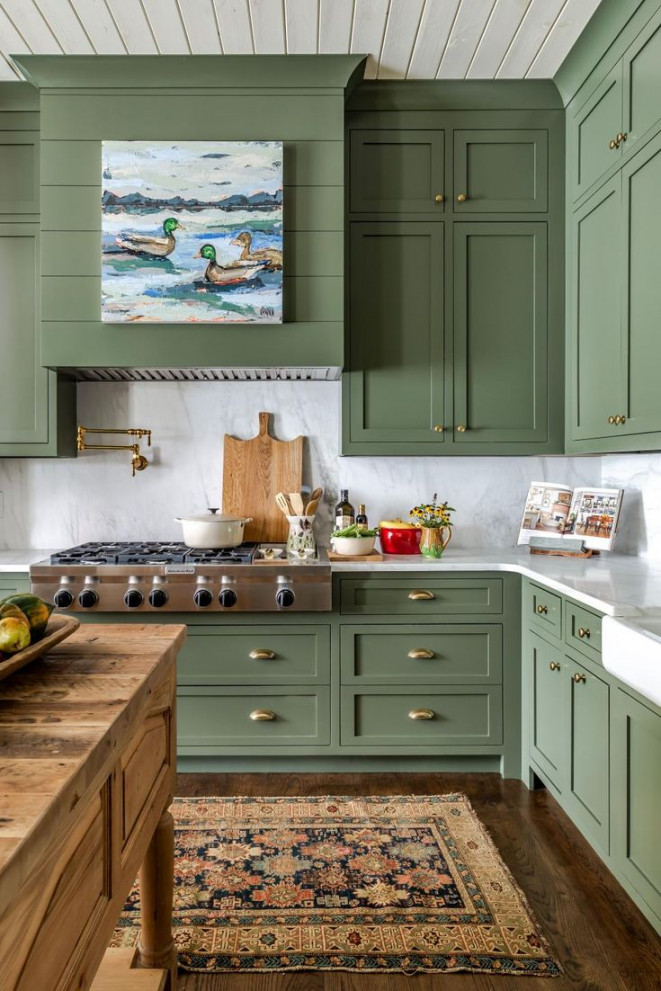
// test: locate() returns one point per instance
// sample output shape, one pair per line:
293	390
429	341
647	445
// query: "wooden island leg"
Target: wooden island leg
156	946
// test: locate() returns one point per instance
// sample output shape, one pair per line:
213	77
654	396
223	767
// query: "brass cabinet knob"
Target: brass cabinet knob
554	666
421	714
612	144
578	678
461	198
621	137
439	198
259	654
438	427
583	633
420	595
620	419
542	610
461	428
421	654
262	716
612	419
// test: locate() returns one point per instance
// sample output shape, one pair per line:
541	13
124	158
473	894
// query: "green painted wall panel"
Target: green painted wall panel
78	298
210	117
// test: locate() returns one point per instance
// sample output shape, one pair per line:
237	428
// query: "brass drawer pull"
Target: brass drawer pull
420	595
262	716
422	714
260	654
421	654
583	633
542	610
554	666
578	678
462	197
439	198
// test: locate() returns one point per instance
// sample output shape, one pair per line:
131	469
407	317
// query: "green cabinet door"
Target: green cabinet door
397	171
642	85
586	797
19	169
636	795
596	380
500	171
396	379
500	335
641	179
592	147
547	708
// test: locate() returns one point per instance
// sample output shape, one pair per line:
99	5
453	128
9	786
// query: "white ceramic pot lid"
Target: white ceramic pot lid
213	516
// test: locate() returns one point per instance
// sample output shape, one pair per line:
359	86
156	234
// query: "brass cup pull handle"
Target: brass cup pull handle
421	654
461	428
438	428
578	678
439	198
422	714
583	633
262	716
462	197
421	595
554	666
261	654
542	610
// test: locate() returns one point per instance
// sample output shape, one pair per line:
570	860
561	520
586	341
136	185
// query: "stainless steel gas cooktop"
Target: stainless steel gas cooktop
162	576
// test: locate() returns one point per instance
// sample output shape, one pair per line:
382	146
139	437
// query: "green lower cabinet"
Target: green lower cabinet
12	584
420	596
455	716
255	655
547	688
636	800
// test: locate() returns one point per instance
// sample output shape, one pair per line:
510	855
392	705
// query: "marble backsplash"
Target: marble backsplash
58	503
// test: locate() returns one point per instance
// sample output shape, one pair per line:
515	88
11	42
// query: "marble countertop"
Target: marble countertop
615	584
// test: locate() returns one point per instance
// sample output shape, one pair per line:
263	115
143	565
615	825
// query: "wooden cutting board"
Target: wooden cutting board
254	471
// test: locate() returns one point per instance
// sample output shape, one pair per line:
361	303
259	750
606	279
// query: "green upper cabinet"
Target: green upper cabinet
499	171
19	168
593	146
397	171
395	393
642	85
500	337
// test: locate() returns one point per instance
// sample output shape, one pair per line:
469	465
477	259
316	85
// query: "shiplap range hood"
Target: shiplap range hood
299	100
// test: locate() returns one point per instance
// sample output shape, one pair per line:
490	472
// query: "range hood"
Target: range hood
299	100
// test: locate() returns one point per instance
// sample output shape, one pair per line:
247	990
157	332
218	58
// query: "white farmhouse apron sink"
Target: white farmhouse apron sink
631	650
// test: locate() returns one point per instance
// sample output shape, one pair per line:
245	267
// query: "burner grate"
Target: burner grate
152	552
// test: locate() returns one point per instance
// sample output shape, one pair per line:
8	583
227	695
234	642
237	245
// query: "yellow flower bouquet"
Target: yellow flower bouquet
434	520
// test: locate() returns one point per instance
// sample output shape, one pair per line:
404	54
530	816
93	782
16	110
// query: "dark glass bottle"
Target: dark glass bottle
344	511
361	515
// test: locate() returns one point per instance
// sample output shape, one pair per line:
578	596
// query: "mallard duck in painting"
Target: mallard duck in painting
270	257
151	245
225	275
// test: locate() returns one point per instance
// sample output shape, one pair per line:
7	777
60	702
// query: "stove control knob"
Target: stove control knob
158	598
63	599
88	598
227	597
203	597
285	598
133	598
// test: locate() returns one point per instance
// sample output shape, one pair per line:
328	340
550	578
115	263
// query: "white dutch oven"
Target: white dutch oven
214	531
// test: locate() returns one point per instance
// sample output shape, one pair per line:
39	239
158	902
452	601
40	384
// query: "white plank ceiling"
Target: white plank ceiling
405	39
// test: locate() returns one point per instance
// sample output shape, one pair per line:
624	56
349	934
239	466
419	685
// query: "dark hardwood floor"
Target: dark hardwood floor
600	938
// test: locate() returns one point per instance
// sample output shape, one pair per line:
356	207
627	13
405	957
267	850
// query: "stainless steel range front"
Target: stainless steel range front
170	577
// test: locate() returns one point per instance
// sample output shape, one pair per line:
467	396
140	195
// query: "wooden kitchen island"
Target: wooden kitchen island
87	768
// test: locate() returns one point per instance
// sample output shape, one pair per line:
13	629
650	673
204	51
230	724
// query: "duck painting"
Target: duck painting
270	257
151	245
226	275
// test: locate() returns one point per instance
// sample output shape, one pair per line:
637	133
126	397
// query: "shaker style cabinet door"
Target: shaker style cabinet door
593	143
587	794
548	737
397	171
596	384
396	386
500	171
500	334
642	85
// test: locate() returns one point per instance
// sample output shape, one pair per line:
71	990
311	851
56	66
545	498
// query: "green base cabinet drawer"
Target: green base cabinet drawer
230	717
421	596
410	655
543	609
636	794
458	716
256	655
583	631
547	686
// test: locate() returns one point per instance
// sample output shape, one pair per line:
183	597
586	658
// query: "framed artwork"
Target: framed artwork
192	232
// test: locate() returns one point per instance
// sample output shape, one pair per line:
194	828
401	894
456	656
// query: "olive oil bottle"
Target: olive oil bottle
344	511
361	515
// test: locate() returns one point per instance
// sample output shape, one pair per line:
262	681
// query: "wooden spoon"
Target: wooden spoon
314	498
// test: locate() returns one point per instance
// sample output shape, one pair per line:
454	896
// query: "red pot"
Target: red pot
400	539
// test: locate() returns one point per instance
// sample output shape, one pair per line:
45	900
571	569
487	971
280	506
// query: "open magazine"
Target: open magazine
555	511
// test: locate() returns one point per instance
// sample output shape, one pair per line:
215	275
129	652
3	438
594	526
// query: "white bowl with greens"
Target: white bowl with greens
353	540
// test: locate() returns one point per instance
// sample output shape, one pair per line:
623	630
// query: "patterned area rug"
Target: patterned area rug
398	883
